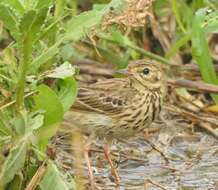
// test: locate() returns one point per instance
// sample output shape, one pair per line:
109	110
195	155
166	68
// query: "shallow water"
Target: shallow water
191	162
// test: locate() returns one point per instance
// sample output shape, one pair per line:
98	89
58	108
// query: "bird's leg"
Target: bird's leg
87	159
88	163
113	169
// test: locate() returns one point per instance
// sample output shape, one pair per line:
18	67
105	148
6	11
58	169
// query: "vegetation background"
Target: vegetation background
39	41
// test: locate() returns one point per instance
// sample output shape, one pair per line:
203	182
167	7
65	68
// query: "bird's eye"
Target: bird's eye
146	71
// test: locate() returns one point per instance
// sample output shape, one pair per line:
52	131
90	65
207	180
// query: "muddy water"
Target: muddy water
192	163
174	159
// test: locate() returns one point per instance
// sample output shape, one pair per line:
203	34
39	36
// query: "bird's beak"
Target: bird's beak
123	71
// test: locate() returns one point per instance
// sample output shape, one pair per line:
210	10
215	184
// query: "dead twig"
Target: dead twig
37	176
155	184
134	158
194	67
208	128
201	86
158	150
197	119
95	68
13	102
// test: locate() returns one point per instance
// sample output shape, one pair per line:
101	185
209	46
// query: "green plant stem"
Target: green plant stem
59	8
138	49
23	68
74	7
149	54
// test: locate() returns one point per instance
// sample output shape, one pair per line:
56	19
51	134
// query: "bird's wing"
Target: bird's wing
109	97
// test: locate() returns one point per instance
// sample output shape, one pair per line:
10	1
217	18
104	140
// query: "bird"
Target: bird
119	108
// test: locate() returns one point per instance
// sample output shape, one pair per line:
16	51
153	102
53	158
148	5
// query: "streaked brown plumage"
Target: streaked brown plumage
120	108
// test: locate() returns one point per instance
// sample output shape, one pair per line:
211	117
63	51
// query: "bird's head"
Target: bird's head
145	73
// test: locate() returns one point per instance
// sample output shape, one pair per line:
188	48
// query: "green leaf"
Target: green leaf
59	8
27	22
67	52
5	140
67	92
80	25
20	123
5	130
116	5
17	5
47	100
33	21
177	15
210	23
129	44
200	51
178	44
113	57
118	37
52	180
14	162
10	21
16	183
43	58
44	3
35	120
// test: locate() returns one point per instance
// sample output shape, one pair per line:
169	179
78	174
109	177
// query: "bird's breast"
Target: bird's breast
142	111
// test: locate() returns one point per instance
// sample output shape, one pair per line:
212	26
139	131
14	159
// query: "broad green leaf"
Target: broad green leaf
17	5
67	92
10	21
13	163
47	100
200	51
32	22
53	180
80	25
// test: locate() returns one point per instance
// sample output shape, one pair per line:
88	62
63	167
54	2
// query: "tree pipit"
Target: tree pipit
120	107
